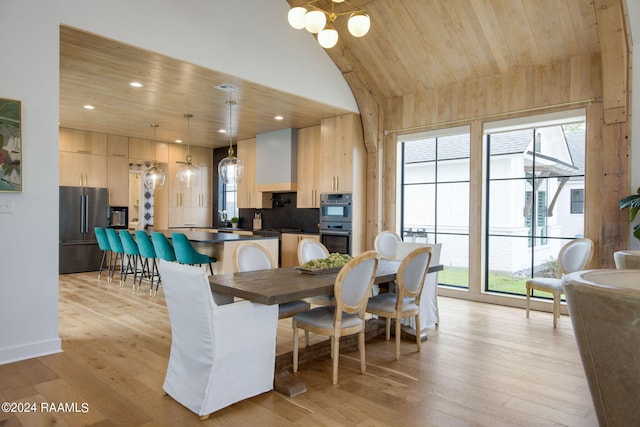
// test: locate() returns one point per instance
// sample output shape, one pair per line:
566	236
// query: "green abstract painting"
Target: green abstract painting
10	145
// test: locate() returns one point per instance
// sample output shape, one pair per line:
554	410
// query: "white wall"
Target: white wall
259	46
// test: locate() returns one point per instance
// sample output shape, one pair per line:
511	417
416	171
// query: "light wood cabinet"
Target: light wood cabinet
247	193
189	206
339	136
82	158
309	167
290	242
118	170
142	149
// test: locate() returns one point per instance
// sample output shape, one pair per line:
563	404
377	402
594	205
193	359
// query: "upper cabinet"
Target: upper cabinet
247	194
118	170
83	158
342	142
309	167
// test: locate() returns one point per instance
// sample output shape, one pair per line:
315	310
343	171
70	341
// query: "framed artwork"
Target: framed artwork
10	145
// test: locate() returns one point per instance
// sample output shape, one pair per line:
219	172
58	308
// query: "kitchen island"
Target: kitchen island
222	246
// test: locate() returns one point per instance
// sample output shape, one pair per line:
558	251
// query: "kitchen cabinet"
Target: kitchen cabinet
189	206
82	158
290	242
247	194
309	167
118	170
341	138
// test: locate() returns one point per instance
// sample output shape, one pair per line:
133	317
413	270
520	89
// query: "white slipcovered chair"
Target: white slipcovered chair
220	354
405	303
386	243
351	289
573	256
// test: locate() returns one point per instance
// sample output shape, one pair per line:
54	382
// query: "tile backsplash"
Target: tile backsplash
284	214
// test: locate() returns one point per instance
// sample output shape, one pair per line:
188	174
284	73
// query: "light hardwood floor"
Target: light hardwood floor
486	365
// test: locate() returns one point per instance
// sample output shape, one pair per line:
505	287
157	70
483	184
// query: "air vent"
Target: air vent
227	87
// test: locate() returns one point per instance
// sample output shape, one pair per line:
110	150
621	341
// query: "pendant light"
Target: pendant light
188	172
230	169
154	177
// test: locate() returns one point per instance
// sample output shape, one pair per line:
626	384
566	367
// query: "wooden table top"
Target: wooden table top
283	285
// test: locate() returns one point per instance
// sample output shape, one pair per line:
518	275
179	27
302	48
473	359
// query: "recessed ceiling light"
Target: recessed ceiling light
89	107
222	131
135	84
279	117
179	141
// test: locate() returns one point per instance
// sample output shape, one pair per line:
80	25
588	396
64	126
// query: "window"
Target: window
577	201
229	199
533	168
434	190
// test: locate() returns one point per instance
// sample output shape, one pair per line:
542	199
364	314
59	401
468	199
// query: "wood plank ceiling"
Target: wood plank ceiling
413	45
416	45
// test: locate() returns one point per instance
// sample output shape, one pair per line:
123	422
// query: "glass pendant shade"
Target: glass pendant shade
328	38
154	177
314	21
296	17
359	24
231	169
188	174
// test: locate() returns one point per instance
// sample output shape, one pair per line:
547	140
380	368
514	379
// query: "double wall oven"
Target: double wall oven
336	216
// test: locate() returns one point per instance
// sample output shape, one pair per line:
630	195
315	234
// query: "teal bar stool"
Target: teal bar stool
116	248
186	254
132	256
164	251
103	244
145	246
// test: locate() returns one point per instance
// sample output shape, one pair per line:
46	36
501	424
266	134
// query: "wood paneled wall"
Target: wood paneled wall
573	83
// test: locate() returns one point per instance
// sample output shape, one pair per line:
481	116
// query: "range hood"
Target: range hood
277	161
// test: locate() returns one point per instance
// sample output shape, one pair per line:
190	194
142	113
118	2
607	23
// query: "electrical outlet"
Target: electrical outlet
6	206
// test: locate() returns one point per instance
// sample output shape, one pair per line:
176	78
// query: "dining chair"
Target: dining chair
310	249
405	302
351	289
250	256
573	256
147	252
116	248
132	254
220	354
103	244
386	243
186	254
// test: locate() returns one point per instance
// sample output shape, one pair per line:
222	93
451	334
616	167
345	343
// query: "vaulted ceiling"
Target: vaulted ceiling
413	45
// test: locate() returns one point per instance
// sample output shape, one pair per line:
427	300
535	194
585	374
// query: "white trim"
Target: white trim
28	351
437	133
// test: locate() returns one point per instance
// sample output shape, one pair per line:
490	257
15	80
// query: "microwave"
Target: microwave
335	207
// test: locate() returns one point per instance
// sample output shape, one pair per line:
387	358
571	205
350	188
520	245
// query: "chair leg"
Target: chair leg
363	364
104	255
306	338
418	332
210	269
528	299
295	345
556	308
336	357
398	337
388	329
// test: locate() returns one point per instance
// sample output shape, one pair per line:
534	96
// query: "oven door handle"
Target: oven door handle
335	232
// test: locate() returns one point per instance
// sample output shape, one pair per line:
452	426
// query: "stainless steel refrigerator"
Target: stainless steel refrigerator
81	209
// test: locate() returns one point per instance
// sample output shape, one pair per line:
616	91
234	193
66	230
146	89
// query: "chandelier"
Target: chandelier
230	169
154	177
314	19
188	172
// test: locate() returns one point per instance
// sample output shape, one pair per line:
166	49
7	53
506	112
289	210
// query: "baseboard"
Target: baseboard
29	351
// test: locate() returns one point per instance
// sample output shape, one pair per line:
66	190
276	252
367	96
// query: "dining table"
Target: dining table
281	285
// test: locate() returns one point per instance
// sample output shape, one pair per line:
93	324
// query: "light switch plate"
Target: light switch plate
6	206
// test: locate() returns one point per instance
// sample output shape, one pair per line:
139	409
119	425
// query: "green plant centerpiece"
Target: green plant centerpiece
633	203
234	221
332	261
